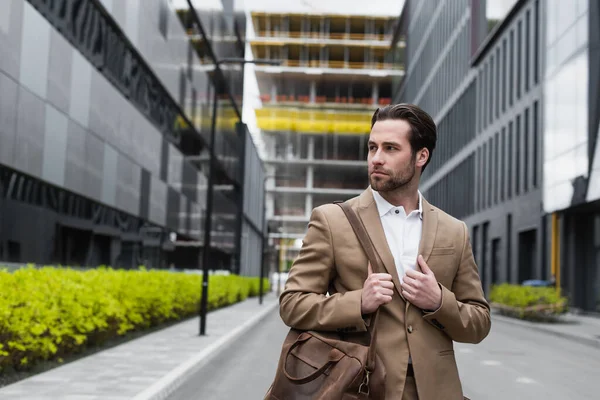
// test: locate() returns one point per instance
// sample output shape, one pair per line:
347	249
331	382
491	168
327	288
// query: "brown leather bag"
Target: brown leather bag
326	365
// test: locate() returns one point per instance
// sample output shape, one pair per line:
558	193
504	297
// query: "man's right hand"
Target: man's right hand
377	290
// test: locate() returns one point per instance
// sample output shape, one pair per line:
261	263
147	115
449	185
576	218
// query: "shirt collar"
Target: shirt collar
383	206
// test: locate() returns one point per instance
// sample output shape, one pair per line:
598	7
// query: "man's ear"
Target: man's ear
422	157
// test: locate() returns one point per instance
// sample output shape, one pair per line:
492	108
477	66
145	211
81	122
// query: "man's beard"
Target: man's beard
393	181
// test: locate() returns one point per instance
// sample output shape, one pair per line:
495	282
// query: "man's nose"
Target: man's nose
377	159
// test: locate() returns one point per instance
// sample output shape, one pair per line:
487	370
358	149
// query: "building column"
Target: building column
313	94
310	172
311	148
375	92
273	93
308	205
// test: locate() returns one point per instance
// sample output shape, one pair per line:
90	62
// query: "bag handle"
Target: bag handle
334	356
367	245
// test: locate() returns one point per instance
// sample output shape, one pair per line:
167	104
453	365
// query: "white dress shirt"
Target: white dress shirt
403	232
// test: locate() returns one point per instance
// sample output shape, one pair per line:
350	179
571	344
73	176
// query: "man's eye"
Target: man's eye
390	148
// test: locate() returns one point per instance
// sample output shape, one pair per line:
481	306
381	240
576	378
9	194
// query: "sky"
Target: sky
346	7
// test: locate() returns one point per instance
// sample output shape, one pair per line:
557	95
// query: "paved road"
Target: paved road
243	371
512	363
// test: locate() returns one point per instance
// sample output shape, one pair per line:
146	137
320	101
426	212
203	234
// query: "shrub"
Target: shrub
527	302
49	313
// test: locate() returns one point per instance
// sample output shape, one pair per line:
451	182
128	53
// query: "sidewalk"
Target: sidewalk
147	368
579	328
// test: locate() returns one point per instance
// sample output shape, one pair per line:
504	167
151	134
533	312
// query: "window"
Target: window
535	145
163	18
502	164
527	48
519	55
490	167
511	84
509	163
497	94
504	73
526	152
536	40
496	166
491	91
518	153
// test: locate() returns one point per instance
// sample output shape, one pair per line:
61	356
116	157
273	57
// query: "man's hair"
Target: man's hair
423	130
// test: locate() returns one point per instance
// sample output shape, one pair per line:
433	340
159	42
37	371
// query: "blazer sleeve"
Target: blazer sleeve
305	303
464	314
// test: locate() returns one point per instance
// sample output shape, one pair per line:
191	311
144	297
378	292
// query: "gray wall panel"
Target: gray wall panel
175	167
128	178
81	83
109	176
59	72
158	201
102	117
55	146
75	171
10	36
94	155
35	51
8	118
31	120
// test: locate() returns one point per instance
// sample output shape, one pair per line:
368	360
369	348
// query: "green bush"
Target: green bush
49	313
526	302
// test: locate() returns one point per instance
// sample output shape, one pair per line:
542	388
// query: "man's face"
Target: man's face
392	163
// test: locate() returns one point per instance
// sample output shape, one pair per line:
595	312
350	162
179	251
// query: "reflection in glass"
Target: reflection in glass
565	103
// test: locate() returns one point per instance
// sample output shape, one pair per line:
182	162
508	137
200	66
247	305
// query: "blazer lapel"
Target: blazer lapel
430	221
367	211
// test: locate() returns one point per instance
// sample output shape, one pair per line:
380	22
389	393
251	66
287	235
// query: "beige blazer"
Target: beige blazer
323	292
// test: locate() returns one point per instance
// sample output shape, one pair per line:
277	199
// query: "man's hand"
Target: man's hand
422	289
377	290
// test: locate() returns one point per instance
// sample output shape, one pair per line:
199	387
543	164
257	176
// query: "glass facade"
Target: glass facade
566	156
107	114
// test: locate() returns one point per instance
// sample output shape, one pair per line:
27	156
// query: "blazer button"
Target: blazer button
410	329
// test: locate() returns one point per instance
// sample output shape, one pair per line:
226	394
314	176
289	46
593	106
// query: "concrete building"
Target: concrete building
315	111
107	112
516	107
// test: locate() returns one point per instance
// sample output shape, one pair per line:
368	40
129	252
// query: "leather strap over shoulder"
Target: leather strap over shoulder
367	245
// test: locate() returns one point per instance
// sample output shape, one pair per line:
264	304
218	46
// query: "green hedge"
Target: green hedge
527	302
49	313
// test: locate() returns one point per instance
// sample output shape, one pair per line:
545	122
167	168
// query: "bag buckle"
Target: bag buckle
364	386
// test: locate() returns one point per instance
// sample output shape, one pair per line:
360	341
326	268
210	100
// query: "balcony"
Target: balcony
314	121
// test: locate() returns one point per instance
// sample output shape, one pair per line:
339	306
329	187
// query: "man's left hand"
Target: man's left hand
421	288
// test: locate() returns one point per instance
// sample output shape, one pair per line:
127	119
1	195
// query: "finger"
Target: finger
413	274
409	288
410	281
382	277
423	265
369	269
407	295
387	284
386	292
386	299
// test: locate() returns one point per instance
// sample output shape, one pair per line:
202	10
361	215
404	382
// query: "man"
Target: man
431	293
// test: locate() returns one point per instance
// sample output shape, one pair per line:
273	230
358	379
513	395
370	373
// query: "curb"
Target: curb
165	386
589	341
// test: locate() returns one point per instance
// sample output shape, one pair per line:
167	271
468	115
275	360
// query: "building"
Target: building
107	114
314	112
517	118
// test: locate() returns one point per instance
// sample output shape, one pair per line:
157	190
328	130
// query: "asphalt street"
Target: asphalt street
511	363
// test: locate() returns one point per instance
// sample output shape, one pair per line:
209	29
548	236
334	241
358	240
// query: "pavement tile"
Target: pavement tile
124	371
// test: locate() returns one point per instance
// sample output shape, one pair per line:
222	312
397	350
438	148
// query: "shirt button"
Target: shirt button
397	211
410	329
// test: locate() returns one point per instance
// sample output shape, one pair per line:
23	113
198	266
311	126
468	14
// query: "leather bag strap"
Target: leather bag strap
367	245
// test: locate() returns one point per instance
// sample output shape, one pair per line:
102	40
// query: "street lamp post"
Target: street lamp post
211	182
